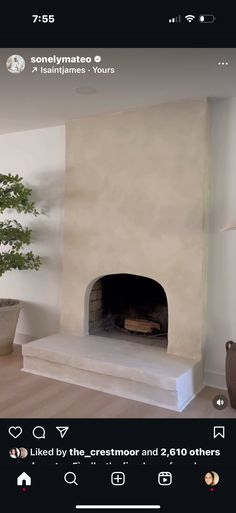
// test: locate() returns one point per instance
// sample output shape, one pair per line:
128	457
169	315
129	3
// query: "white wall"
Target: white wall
221	310
38	156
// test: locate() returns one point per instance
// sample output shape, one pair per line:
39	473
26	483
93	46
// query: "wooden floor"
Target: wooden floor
24	395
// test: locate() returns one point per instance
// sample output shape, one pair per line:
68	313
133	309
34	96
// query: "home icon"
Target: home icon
24	480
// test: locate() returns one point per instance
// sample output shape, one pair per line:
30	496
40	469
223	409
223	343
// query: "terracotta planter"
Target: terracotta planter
230	369
9	314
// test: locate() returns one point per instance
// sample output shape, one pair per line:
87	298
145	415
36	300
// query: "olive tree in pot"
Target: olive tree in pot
15	197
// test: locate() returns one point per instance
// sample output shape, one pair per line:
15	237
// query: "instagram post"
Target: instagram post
117	233
117	257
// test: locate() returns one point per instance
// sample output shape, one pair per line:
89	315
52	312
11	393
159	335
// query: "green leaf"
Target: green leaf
15	195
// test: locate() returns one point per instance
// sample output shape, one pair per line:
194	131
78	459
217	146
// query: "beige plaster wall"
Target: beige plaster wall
135	204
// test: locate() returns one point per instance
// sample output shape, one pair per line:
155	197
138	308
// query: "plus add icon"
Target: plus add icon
118	478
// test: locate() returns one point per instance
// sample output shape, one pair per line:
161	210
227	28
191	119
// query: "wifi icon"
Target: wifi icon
190	17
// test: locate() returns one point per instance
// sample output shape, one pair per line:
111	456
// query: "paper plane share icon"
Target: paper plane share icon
62	430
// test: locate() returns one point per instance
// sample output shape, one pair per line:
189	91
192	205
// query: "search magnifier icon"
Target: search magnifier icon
70	478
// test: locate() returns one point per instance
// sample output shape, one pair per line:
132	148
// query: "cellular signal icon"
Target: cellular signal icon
176	19
190	18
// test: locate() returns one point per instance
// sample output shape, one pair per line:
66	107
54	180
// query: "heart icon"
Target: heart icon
15	431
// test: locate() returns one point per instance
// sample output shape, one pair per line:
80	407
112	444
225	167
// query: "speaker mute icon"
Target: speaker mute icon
220	402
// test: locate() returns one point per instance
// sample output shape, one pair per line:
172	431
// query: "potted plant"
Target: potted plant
14	196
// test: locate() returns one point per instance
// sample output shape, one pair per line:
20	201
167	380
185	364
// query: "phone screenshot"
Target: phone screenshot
117	261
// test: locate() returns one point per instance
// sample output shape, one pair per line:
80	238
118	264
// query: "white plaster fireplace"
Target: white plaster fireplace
134	210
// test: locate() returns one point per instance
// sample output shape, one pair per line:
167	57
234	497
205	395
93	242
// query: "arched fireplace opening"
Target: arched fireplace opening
130	305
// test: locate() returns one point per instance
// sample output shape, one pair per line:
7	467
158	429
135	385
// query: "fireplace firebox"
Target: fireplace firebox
128	304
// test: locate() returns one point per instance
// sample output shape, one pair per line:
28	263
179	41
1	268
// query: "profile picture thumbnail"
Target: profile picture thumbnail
16	452
15	64
211	478
23	452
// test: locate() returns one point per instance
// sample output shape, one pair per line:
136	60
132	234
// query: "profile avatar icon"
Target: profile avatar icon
23	453
15	64
14	452
211	478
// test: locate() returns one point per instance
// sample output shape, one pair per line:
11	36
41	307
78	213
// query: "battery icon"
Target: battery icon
207	18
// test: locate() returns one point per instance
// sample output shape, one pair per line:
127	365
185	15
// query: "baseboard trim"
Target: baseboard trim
215	379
